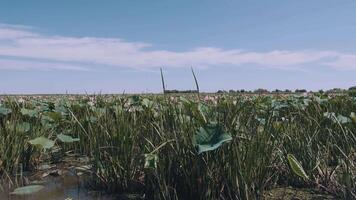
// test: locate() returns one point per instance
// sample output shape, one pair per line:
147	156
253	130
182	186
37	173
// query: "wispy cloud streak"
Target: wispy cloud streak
25	43
11	64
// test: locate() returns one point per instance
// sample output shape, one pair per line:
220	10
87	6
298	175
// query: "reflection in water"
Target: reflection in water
60	188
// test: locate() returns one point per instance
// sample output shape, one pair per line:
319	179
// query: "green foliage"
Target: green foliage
210	137
26	190
23	127
67	138
296	166
225	146
28	112
43	142
151	161
352	92
4	111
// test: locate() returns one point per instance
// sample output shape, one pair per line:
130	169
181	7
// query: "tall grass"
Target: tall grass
145	145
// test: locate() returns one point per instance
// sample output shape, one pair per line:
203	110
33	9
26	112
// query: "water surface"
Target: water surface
62	187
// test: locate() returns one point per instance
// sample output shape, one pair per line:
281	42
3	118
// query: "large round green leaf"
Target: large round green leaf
56	116
23	127
28	112
43	142
5	111
27	190
210	137
67	138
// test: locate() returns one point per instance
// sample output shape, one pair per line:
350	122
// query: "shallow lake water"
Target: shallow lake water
70	187
66	187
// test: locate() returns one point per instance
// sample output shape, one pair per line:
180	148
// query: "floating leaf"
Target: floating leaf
296	166
93	119
134	100
28	112
210	137
23	127
148	103
67	138
307	101
329	115
320	100
277	105
5	111
27	190
56	116
151	161
44	167
43	142
339	118
46	119
101	111
261	120
343	120
61	110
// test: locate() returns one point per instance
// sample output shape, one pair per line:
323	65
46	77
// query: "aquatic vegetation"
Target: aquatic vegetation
27	190
187	146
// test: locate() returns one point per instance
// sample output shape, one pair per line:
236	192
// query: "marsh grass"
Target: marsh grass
144	145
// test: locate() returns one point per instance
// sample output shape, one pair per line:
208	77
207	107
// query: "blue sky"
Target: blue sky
112	46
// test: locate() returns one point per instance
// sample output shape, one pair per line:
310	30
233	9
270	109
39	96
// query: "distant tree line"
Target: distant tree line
351	90
259	90
180	91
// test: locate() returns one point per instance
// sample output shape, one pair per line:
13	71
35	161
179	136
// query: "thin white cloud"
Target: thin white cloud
11	64
12	32
23	42
343	62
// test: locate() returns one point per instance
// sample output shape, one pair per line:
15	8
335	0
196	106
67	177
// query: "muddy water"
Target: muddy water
68	187
71	187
